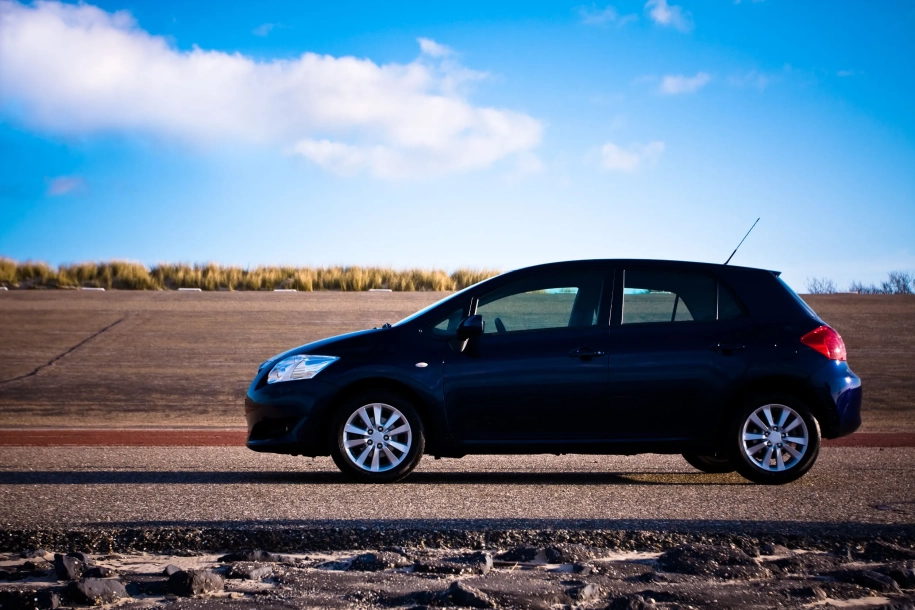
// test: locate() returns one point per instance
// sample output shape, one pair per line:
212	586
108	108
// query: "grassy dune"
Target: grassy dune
167	276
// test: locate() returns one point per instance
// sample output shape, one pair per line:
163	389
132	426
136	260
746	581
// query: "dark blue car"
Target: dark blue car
725	365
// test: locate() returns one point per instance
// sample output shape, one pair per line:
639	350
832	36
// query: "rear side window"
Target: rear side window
728	305
668	296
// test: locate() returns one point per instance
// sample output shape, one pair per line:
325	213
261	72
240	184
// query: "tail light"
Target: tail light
826	341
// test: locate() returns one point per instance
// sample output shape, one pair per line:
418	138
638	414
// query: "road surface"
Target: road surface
65	487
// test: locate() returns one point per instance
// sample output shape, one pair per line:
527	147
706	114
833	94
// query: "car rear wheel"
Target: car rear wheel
775	439
712	464
377	437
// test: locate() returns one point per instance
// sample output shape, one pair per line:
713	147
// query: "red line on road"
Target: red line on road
123	438
202	437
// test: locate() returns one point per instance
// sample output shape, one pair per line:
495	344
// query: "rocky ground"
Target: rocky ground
723	572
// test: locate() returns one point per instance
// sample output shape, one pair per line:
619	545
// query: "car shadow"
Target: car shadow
333	477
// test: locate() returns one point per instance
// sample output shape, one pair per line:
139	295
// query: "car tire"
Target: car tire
775	439
361	445
711	464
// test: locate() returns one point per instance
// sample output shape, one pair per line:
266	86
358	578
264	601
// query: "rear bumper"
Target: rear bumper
287	417
840	391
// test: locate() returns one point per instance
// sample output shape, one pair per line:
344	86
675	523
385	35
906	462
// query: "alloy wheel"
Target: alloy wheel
775	438
377	437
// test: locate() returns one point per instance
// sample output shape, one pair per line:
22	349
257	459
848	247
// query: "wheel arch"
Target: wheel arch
778	384
420	403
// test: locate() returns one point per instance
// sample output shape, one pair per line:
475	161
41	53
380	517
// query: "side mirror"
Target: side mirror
470	327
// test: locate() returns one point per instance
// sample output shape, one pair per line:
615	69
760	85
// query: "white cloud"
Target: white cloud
594	16
433	49
675	84
845	73
615	158
668	15
263	29
751	79
76	69
62	185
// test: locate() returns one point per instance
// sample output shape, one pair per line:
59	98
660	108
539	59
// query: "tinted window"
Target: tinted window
665	296
448	326
728	305
548	301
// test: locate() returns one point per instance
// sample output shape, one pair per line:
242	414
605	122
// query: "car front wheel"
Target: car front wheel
775	439
377	438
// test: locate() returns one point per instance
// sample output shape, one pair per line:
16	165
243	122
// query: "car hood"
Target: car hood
339	345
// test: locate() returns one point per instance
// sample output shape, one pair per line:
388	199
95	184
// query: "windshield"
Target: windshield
428	308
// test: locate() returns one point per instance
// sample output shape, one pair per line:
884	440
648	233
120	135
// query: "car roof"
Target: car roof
645	262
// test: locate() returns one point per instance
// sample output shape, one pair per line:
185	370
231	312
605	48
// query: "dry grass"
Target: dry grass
123	275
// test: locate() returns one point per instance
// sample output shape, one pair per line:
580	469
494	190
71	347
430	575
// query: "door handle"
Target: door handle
726	347
585	353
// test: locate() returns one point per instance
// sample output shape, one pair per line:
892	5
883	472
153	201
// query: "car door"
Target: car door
672	358
539	370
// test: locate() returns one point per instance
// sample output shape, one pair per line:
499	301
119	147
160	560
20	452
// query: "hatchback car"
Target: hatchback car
724	365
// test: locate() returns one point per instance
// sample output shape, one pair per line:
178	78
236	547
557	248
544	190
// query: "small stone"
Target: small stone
869	579
195	582
584	593
806	563
378	560
34	554
465	595
886	551
707	560
261	556
97	591
81	556
519	553
568	553
902	573
250	571
582	569
29	599
770	549
478	562
809	592
171	569
98	572
68	568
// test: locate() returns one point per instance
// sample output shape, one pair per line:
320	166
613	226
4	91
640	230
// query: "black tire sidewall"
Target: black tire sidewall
743	463
338	453
710	464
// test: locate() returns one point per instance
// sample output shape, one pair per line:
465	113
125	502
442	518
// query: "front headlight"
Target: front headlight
299	367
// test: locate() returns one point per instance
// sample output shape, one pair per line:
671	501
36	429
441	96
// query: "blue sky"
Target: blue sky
461	134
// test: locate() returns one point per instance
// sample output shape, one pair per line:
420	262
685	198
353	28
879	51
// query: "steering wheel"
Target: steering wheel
499	325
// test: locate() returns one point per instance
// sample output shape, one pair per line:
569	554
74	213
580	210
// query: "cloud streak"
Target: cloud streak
669	15
630	160
677	84
64	185
607	15
74	70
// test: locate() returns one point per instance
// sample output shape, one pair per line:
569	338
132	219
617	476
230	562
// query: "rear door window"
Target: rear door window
668	296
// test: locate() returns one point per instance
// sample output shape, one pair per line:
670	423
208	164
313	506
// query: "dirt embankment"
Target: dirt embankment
185	359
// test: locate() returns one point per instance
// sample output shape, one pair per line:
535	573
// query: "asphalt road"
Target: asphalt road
137	486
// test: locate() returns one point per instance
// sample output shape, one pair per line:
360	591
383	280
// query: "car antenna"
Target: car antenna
740	244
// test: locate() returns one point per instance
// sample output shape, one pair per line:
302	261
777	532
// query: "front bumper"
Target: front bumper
287	417
840	390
